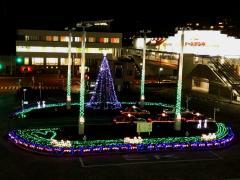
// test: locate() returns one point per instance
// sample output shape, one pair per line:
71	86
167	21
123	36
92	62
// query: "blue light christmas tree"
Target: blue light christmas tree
104	96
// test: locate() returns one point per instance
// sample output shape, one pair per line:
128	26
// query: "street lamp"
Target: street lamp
214	113
142	96
177	124
160	70
24	94
40	91
68	103
187	100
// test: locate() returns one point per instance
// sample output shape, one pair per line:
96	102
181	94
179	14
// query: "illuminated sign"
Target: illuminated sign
199	42
144	127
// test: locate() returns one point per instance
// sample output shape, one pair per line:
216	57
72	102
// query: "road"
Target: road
214	164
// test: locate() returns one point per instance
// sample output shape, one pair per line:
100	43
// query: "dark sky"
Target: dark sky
129	16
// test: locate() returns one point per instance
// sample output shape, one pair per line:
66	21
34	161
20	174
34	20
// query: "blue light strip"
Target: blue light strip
144	147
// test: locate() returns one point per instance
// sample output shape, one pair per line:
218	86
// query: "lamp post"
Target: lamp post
177	124
40	91
68	103
214	113
187	100
160	70
142	96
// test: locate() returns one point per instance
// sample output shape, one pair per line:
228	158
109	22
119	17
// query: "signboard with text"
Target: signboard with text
144	127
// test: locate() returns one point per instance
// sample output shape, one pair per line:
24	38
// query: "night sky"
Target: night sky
128	18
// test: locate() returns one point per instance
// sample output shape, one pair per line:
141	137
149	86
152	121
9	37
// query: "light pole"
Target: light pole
24	94
177	124
160	70
214	113
40	91
187	100
68	103
142	96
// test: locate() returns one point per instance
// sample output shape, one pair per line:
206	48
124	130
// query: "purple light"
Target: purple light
27	145
104	96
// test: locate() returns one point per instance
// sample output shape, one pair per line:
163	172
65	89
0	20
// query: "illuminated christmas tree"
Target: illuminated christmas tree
104	96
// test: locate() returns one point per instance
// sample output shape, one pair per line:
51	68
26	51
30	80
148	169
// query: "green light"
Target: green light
19	60
1	66
45	136
69	73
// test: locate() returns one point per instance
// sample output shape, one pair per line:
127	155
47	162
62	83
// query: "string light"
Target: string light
40	140
104	96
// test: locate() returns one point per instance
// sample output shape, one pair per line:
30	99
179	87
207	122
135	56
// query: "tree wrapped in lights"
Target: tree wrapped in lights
104	96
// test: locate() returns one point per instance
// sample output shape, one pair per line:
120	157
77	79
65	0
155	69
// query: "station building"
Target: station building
46	51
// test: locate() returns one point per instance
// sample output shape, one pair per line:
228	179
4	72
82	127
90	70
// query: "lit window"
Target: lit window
37	61
103	40
78	39
64	38
26	60
64	61
91	39
52	61
26	38
49	38
114	40
55	38
77	61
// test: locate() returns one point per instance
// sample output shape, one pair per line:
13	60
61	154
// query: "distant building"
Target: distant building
46	51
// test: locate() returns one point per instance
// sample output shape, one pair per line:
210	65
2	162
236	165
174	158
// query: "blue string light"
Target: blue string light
104	96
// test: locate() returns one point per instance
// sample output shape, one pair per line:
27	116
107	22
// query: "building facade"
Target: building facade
45	51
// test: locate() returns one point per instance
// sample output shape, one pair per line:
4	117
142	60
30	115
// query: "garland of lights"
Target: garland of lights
22	113
104	96
40	140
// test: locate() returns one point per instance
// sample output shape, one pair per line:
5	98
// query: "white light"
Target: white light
135	140
199	126
205	123
81	120
39	105
160	69
43	104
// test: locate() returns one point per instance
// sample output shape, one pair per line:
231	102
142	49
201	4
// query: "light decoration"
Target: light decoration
69	73
33	107
177	123
199	125
61	143
135	140
39	140
209	137
104	96
142	96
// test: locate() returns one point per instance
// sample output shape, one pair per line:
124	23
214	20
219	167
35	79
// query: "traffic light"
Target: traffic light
1	67
19	60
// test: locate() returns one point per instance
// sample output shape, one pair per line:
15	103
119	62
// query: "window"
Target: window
91	39
49	38
64	38
103	40
26	38
77	61
64	61
37	61
114	40
26	60
55	38
52	61
78	39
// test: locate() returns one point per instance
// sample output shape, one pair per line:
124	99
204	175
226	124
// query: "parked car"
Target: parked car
127	119
135	111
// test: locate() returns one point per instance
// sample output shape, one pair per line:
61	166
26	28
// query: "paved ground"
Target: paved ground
215	164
